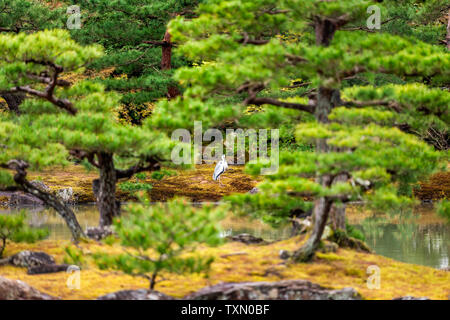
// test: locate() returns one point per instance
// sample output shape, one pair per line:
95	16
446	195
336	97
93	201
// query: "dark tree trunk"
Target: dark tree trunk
166	59
325	30
13	101
448	31
166	63
320	215
326	101
49	199
105	190
337	216
337	213
322	206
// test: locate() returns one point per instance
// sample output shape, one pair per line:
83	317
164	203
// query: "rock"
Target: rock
18	290
141	294
284	254
411	298
66	195
98	233
255	190
246	238
328	246
48	268
301	226
23	199
28	259
281	290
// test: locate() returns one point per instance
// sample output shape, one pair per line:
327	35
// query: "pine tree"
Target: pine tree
256	49
25	16
159	236
14	228
138	46
60	117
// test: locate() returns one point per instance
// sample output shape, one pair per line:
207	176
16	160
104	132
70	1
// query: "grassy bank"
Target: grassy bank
196	184
236	262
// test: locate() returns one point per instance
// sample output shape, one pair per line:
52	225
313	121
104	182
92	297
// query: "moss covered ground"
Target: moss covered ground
195	184
236	262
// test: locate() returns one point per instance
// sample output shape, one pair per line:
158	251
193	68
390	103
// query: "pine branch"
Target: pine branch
362	104
278	103
151	164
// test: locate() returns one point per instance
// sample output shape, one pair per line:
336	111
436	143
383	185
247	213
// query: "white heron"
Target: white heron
220	168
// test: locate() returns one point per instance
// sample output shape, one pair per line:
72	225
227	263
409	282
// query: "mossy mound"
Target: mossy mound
195	184
237	262
437	187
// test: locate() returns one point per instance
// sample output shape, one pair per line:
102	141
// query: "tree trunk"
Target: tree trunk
166	63
320	216
14	100
448	31
337	216
63	210
105	190
325	30
327	99
49	199
337	213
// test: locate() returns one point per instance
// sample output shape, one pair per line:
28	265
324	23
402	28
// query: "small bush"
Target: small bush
443	209
14	228
157	235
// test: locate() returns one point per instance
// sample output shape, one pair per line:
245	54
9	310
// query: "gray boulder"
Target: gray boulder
27	259
246	238
66	195
23	199
411	298
141	294
18	290
98	233
281	290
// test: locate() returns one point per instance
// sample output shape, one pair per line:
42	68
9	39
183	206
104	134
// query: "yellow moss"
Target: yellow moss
345	268
195	184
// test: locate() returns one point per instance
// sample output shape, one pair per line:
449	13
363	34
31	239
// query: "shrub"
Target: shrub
156	236
14	228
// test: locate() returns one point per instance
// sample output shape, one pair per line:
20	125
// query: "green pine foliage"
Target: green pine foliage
75	118
160	237
444	209
258	48
29	16
14	228
125	29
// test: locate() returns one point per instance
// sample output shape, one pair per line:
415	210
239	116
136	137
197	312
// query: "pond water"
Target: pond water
419	239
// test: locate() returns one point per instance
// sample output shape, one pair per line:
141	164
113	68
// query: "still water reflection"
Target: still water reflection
420	241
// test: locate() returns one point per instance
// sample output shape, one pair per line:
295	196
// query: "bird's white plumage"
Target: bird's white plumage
220	168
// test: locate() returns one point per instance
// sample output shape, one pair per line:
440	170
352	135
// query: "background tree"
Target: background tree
26	16
14	228
159	237
78	116
359	154
32	65
138	47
